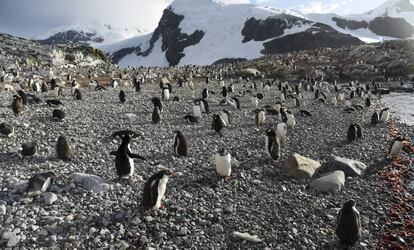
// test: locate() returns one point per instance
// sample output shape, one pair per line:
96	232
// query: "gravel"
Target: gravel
201	209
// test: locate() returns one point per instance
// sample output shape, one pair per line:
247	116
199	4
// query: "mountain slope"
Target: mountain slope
394	19
205	31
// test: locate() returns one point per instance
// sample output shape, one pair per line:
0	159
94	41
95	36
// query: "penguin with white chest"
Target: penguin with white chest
181	146
124	158
223	161
154	190
197	109
396	147
281	131
40	183
384	115
260	117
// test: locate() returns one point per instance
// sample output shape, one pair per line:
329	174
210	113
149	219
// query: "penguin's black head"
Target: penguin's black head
222	152
349	205
178	131
270	132
52	175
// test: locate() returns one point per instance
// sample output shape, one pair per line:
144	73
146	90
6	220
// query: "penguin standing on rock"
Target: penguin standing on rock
218	124
17	105
156	116
40	183
122	97
396	146
272	145
348	227
124	158
154	190
223	162
181	145
63	149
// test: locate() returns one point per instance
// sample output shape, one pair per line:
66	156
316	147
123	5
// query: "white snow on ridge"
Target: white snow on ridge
155	58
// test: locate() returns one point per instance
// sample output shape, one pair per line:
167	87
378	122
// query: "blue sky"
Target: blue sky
28	18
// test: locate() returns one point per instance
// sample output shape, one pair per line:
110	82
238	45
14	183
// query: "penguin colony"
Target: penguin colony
275	134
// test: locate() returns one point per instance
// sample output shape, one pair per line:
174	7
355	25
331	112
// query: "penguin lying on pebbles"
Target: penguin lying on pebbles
191	119
63	149
154	190
348	227
124	162
28	149
223	161
53	102
40	183
6	130
396	146
58	114
181	146
305	113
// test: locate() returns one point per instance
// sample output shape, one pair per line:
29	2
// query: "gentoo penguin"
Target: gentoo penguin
368	102
77	95
40	183
396	147
224	92
75	86
260	117
218	124
225	116
352	132
281	131
165	93
6	130
290	120
17	105
197	109
384	115
203	105
359	130
122	97
374	118
255	101
272	145
157	102
114	84
58	114
23	95
205	93
348	228
154	189
181	146
124	158
191	119
305	113
53	102
63	149
137	86
44	87
223	162
169	86
156	116
234	102
28	149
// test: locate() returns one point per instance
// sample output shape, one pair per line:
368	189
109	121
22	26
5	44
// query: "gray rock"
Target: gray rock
49	198
329	183
348	166
90	182
300	167
11	237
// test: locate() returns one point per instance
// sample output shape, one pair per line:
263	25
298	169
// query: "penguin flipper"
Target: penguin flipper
131	155
235	162
211	160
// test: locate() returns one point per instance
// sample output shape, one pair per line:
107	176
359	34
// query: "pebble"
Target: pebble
49	198
2	210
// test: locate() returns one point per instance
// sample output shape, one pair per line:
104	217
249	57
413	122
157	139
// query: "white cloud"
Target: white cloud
318	7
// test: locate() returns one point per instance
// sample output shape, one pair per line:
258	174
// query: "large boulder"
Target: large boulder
90	182
300	167
329	183
348	166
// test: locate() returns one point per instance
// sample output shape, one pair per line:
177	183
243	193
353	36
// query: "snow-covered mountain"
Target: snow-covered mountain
205	31
392	19
96	35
